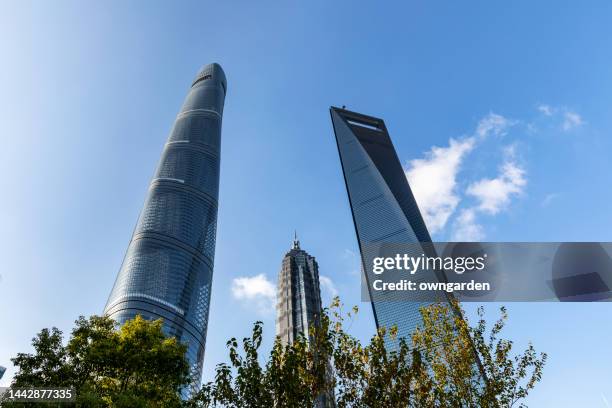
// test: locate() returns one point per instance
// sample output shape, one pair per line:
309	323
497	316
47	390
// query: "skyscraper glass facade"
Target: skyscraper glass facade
299	305
298	294
168	267
383	207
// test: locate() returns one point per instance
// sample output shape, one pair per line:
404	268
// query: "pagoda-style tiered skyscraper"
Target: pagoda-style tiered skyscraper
298	294
168	267
298	306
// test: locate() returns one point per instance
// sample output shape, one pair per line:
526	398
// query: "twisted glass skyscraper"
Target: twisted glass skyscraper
167	270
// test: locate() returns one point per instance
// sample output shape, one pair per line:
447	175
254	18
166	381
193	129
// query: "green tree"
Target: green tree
48	366
437	367
446	363
452	351
134	366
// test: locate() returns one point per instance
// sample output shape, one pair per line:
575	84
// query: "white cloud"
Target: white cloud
465	227
547	110
353	260
255	290
433	181
494	194
328	286
549	198
493	124
349	254
571	120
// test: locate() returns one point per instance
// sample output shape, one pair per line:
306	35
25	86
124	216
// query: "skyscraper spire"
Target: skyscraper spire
296	242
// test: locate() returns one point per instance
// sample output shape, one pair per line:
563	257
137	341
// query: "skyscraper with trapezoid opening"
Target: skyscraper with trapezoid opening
383	207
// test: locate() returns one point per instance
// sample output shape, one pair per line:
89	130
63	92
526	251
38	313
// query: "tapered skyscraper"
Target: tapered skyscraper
383	206
168	267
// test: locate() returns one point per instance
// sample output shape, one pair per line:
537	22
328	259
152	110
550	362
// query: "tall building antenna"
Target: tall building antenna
296	242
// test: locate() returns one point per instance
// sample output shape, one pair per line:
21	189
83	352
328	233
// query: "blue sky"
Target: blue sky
88	93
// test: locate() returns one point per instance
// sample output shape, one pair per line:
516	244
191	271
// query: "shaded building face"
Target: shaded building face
383	207
299	304
299	295
167	270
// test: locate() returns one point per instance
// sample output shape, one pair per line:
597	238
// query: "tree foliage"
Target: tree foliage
446	363
474	366
134	366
